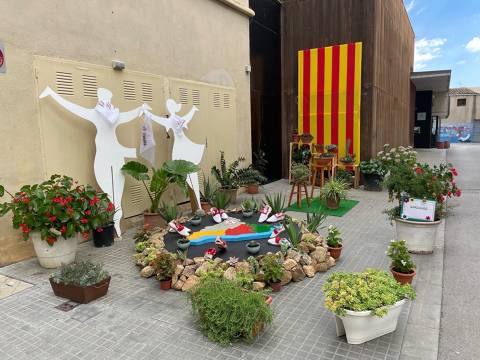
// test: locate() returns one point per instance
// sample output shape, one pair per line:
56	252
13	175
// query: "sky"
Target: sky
447	36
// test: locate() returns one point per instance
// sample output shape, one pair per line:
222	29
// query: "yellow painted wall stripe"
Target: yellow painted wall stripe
313	93
328	96
342	100
300	92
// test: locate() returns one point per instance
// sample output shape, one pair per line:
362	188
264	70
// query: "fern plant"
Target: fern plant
232	176
276	202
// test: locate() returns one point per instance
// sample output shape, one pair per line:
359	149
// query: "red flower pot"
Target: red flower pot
335	252
166	284
276	286
252	188
333	203
403	278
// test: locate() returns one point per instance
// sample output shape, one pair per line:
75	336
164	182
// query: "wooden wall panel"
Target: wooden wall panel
388	42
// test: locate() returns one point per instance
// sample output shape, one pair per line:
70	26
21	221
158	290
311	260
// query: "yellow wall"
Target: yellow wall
199	40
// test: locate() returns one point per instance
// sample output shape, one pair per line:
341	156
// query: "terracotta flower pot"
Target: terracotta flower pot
166	284
276	286
333	203
306	138
153	220
403	278
206	206
252	189
81	294
335	252
295	138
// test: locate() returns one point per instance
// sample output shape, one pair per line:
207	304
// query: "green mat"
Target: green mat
316	206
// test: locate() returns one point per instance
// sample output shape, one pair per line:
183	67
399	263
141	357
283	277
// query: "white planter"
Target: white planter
62	252
362	326
420	236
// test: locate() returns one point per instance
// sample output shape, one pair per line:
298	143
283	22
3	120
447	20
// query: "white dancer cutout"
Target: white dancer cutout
110	155
183	147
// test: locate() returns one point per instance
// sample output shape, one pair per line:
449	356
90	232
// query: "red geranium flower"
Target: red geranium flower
110	207
88	212
52	218
94	201
458	192
85	235
26	200
454	171
51	240
99	229
418	170
63	229
25	228
84	220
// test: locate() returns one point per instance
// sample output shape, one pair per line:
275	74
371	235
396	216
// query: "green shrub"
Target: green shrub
333	237
227	313
401	259
300	172
373	290
165	266
272	268
314	221
80	273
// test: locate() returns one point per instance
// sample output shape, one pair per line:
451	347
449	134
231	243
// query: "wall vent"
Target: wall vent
89	85
183	95
129	90
147	92
216	100
226	101
64	83
136	194
196	97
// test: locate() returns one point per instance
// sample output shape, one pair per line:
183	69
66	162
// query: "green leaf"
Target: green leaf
136	170
180	167
2	190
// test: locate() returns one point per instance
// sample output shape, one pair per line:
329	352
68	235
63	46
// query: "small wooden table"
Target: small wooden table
318	167
356	170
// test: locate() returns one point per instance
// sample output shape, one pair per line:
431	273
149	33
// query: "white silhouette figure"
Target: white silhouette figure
183	147
110	155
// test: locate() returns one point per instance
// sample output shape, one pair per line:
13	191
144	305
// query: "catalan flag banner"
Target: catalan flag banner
329	91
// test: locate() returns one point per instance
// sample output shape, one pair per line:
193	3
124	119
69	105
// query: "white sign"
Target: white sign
421	116
3	68
418	209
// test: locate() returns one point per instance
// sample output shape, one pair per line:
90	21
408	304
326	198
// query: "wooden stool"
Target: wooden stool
315	170
300	186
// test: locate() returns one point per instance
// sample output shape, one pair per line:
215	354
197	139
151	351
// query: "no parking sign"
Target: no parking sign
2	58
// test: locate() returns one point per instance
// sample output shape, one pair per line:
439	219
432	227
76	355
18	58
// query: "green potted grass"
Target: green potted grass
81	281
334	242
300	173
332	192
402	267
164	265
248	208
207	194
273	271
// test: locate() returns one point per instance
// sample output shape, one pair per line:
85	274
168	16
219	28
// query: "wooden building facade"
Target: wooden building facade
387	95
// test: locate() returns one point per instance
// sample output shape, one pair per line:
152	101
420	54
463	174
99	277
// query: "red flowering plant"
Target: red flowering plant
56	208
100	212
422	181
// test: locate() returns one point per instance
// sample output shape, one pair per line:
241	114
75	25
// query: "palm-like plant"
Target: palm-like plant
334	189
233	176
220	200
314	221
276	202
293	231
209	190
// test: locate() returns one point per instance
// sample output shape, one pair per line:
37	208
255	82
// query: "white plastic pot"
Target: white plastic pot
420	236
362	326
62	252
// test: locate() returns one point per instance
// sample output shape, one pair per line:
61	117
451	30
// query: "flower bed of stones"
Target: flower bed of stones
311	256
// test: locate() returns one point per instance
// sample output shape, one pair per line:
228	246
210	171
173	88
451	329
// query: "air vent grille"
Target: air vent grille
196	97
226	101
216	100
64	83
147	92
136	194
183	95
129	90
89	85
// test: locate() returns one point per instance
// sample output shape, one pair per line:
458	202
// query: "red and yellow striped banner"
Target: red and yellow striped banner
329	91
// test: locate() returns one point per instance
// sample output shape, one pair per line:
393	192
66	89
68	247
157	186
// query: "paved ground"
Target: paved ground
460	326
138	321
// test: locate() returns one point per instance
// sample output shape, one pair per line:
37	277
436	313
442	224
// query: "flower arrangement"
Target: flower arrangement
373	166
371	290
58	207
165	266
390	158
422	181
81	273
401	259
272	268
334	238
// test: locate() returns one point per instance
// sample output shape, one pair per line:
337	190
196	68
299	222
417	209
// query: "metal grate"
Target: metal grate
183	95
67	306
147	92
216	100
89	85
226	101
136	194
196	97
129	90
64	83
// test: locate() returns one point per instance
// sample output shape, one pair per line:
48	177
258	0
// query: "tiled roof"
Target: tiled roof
464	91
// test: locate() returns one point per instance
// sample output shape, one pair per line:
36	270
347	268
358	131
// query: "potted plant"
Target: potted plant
332	149
248	207
253	247
221	200
306	138
207	195
295	136
232	176
402	267
223	323
300	173
168	212
332	192
172	172
334	242
302	154
100	217
183	243
366	305
314	221
51	214
196	219
373	174
164	265
425	182
260	166
345	176
273	271
81	281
